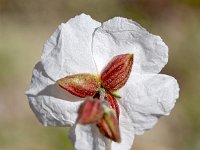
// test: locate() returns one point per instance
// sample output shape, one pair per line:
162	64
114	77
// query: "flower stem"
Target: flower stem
102	94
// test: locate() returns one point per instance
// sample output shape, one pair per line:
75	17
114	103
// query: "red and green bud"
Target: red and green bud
109	126
113	77
81	85
116	73
90	111
113	103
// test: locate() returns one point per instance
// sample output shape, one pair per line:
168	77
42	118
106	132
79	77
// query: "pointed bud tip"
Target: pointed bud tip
58	81
130	55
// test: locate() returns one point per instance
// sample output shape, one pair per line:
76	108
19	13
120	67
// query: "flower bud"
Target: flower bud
109	126
90	111
81	85
116	73
113	103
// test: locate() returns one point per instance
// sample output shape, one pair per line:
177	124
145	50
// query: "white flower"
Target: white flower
83	45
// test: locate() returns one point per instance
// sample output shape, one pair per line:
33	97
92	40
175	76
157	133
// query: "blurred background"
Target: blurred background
26	24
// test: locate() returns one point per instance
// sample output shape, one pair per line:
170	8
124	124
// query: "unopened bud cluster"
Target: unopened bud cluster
100	107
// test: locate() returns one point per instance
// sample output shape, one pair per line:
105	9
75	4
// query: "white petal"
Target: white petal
68	50
147	97
87	137
120	35
52	105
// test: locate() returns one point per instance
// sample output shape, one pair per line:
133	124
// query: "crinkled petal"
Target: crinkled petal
147	97
52	105
89	138
120	35
68	50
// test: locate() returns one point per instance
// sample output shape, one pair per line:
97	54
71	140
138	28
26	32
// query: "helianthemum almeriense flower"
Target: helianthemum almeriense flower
83	45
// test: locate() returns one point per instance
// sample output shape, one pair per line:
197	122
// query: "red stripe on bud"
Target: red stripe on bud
109	126
113	103
90	111
116	73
